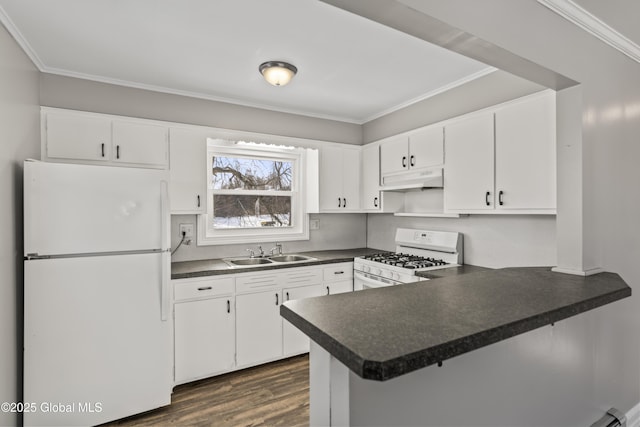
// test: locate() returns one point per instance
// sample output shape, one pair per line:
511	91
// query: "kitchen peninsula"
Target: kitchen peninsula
420	354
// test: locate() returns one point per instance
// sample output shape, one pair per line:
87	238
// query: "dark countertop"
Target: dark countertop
213	267
387	332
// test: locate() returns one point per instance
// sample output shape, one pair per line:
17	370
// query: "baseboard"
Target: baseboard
633	416
588	272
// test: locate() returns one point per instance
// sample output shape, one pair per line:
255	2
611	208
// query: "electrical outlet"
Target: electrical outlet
314	224
187	229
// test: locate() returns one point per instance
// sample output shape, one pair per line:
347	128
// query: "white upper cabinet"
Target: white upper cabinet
339	179
138	143
374	200
410	153
468	178
503	160
188	170
76	137
91	138
526	154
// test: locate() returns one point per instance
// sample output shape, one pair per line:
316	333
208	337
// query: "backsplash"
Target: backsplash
337	231
493	241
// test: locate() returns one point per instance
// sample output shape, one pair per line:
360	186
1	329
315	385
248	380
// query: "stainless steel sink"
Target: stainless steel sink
258	261
247	261
291	258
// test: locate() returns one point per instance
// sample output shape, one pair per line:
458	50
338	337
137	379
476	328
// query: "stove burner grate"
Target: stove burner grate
405	260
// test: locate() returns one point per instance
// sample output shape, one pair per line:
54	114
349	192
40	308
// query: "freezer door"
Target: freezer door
73	209
94	340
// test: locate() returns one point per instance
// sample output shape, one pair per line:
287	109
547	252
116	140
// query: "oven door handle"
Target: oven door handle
373	283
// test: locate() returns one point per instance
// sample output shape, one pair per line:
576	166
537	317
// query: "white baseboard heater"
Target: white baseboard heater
613	418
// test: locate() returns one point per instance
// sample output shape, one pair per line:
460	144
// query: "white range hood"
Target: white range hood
423	178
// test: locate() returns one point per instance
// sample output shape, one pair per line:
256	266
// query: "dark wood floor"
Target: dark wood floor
275	394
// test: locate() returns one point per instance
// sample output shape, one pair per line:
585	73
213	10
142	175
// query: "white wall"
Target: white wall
20	136
494	241
337	231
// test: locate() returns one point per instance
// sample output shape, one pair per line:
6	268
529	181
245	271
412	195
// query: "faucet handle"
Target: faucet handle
251	253
261	251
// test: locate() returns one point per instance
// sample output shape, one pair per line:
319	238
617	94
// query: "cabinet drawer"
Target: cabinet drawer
341	271
256	281
199	289
303	276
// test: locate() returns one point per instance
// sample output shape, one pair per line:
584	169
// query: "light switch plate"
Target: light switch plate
314	224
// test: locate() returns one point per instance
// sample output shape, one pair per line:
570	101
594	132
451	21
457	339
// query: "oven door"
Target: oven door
362	281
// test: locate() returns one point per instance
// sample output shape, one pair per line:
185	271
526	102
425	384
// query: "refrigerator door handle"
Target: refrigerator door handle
166	255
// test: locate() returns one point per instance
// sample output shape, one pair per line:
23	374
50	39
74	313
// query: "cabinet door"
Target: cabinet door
294	341
371	177
339	287
258	327
426	148
140	144
350	179
469	165
526	154
394	155
331	164
204	338
77	137
188	170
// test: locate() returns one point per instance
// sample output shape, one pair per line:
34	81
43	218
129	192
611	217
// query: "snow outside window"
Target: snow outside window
253	194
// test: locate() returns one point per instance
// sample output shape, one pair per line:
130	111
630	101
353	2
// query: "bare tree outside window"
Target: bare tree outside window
251	192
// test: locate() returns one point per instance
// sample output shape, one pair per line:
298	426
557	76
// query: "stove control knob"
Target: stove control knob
366	269
376	271
396	276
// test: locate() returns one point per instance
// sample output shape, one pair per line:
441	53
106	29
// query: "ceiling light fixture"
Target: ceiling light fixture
277	73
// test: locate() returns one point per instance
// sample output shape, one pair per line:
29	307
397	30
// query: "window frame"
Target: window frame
207	235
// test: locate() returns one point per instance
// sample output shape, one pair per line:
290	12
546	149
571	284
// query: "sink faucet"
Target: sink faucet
251	253
277	247
261	251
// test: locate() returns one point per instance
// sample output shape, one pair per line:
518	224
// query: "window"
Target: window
253	194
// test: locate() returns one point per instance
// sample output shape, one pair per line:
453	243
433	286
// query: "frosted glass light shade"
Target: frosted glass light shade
277	73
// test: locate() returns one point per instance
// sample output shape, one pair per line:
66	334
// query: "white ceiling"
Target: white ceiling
350	69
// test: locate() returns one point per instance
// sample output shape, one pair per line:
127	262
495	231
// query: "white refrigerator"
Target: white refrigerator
97	338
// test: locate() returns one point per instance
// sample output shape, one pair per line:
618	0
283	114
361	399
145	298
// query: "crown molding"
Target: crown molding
452	85
22	42
594	26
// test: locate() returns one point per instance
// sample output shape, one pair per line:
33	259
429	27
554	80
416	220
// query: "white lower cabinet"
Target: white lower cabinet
338	278
258	327
233	322
294	341
204	334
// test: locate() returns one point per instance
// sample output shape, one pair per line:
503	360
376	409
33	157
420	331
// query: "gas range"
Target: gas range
416	250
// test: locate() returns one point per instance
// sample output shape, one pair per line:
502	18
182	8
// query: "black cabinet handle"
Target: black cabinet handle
344	203
500	193
117	151
404	161
277	301
327	290
205	288
339	202
102	149
486	198
412	160
198	200
228	306
375	202
287	296
338	272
